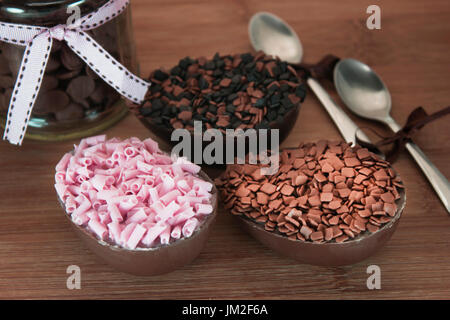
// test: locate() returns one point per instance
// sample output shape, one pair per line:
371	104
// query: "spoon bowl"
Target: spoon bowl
362	90
275	37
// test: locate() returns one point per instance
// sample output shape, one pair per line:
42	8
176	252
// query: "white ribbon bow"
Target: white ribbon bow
38	42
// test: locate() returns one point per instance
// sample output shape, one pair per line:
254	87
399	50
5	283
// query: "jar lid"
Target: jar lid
43	12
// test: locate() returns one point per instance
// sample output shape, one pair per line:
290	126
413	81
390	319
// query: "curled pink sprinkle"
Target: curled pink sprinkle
144	167
128	203
85	162
97	159
152	146
188	166
104	217
167	212
95	140
189	227
130	174
79	149
70	177
62	164
98	228
114	212
167	183
148	158
202	187
164	237
136	185
110	162
83	207
100	181
170	196
115	230
154	197
85	186
183	186
61	190
176	232
107	195
126	233
182	216
153	232
71	205
177	170
190	199
136	236
201	208
81	219
60	177
130	152
143	194
93	215
138	217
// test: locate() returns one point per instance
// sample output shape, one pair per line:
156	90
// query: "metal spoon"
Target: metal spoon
275	37
365	94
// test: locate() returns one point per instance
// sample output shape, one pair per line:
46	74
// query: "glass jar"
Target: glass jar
73	101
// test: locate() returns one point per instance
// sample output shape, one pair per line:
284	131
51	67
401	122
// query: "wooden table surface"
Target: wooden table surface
410	52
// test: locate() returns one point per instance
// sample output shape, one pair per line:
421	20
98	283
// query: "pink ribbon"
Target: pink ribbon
38	42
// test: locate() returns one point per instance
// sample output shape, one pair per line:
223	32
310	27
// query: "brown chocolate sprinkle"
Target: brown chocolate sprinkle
240	91
323	192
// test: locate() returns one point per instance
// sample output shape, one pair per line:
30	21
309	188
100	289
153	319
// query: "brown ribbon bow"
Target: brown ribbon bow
416	120
321	70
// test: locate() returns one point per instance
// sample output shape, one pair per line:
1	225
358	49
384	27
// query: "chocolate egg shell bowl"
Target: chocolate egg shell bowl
329	204
242	91
157	225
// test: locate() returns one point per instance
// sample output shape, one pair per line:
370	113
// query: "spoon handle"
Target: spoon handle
434	176
345	125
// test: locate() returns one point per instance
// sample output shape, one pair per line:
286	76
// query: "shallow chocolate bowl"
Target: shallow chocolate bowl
155	260
327	253
171	103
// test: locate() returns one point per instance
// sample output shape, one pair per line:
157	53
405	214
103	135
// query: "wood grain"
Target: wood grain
410	52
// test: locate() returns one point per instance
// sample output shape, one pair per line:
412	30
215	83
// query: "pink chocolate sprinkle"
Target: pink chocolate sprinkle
130	193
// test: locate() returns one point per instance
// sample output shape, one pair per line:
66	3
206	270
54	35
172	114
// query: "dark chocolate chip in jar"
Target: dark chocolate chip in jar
4	69
53	64
71	112
64	74
70	60
98	95
51	101
4	103
49	83
6	81
81	87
